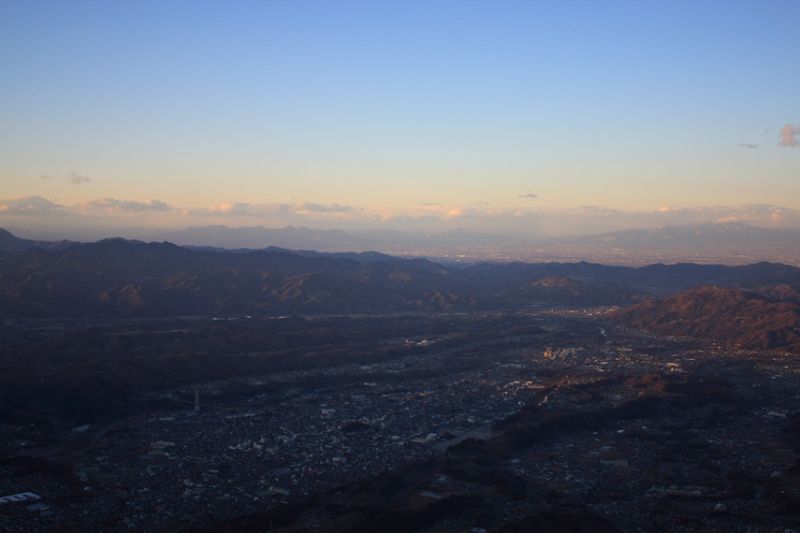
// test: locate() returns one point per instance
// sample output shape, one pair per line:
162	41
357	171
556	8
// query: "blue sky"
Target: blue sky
390	105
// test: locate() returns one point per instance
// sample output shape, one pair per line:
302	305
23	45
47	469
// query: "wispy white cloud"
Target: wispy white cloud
529	195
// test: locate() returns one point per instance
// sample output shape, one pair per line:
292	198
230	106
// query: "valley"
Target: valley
552	418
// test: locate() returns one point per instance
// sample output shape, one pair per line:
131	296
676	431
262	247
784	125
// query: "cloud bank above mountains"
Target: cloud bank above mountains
104	216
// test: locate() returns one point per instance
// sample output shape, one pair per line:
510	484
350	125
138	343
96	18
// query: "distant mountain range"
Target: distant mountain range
300	238
730	243
730	233
726	243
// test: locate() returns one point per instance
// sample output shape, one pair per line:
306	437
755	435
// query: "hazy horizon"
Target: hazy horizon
35	217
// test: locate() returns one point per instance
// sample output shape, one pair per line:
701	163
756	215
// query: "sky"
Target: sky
408	113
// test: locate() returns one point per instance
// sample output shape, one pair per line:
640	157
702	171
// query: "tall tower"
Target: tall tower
196	399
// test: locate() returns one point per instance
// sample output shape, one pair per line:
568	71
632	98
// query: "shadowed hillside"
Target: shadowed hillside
737	316
117	277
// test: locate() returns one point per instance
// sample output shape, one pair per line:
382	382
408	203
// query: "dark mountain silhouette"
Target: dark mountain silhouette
657	278
361	257
737	316
118	277
12	243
